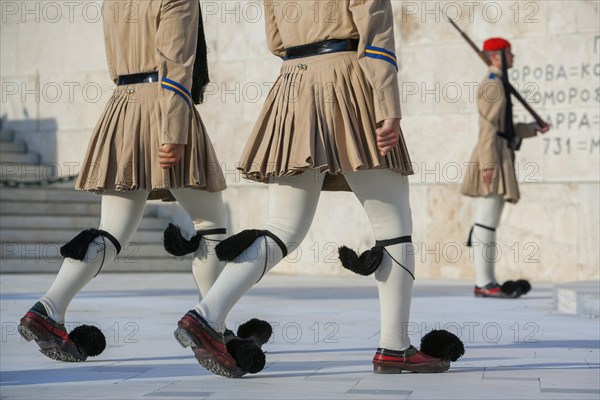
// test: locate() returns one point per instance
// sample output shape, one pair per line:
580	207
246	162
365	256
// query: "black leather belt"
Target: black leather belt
324	47
147	77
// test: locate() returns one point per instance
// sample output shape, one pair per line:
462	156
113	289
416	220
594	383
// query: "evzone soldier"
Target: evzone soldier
149	143
332	120
491	176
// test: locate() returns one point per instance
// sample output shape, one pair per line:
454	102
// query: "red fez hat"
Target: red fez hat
496	44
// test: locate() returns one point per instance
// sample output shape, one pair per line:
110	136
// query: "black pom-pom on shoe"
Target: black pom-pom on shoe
522	286
443	345
509	287
247	354
90	340
258	330
178	245
365	264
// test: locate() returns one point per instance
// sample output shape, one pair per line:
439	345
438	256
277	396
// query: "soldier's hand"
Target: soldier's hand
488	175
387	135
170	154
542	128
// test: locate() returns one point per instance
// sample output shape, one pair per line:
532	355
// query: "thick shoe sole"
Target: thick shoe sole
501	296
424	368
50	345
204	357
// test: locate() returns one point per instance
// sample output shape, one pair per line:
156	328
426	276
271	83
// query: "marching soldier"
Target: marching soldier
149	143
331	121
491	176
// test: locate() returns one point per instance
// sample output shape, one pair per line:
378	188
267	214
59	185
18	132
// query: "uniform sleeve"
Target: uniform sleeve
111	66
109	54
490	114
176	50
274	40
525	131
374	20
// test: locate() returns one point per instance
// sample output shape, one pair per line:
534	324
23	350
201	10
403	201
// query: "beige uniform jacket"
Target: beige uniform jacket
150	36
292	23
147	36
491	150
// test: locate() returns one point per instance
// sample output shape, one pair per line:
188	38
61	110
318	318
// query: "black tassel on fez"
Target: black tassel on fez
365	264
175	244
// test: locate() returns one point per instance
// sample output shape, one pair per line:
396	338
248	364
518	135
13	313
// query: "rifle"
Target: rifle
487	61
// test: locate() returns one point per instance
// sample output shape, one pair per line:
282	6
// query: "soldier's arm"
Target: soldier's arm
175	51
376	54
274	40
490	103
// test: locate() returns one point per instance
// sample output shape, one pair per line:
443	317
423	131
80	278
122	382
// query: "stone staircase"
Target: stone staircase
17	163
35	221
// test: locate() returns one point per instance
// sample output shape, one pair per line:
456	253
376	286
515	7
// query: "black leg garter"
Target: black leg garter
368	262
78	246
177	245
469	241
230	248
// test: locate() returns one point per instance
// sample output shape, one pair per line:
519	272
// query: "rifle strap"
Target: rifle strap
509	127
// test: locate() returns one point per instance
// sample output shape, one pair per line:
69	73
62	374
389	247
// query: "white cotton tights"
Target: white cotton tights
291	208
121	213
489	211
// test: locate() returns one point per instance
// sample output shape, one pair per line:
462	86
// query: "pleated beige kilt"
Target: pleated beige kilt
123	152
505	181
319	115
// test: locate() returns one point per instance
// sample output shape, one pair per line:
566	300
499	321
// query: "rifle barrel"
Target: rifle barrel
531	111
513	91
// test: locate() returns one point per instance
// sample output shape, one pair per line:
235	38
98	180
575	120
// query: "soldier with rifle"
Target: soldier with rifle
491	176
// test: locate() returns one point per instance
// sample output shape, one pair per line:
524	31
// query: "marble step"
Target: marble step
26	172
38	208
50	193
38	252
12	147
7	136
64	235
41	222
20	158
58	209
150	264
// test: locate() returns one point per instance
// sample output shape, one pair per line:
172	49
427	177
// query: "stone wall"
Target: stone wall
53	69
